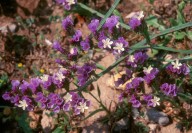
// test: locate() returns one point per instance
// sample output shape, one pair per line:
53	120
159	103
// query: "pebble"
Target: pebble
12	27
121	125
157	116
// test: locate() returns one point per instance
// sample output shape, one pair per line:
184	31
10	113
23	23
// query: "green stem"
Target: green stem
103	106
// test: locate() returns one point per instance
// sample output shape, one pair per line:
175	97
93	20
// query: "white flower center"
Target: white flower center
68	97
119	47
131	58
117	25
82	107
23	104
147	70
139	15
107	43
70	2
155	101
59	76
176	64
44	78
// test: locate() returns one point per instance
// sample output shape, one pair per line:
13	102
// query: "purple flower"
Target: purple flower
85	44
23	87
169	89
34	83
178	68
148	98
111	22
57	46
123	41
137	58
46	81
67	23
15	84
134	84
66	107
150	74
56	109
135	103
77	36
93	25
101	38
6	96
15	99
73	51
134	23
83	73
121	96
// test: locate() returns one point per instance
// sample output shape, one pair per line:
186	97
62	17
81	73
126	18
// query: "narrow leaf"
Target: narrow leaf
93	113
108	14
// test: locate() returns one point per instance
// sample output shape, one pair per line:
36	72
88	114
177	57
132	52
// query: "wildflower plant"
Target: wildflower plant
141	69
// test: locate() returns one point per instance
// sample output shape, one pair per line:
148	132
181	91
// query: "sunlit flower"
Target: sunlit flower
131	58
59	76
70	2
119	47
139	15
147	70
44	78
176	64
107	43
20	65
155	101
42	70
117	25
23	104
67	97
82	107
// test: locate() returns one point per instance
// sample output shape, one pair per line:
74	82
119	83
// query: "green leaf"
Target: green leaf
189	34
58	130
173	22
179	35
93	113
153	21
108	14
151	1
172	49
22	121
117	13
98	91
100	66
180	16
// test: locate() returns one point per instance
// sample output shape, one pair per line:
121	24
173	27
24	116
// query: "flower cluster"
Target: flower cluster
93	25
83	73
116	46
169	89
135	19
137	58
150	74
178	68
112	22
67	23
21	96
151	102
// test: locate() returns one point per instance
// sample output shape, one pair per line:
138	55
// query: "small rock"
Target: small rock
157	116
121	125
152	127
10	27
135	113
